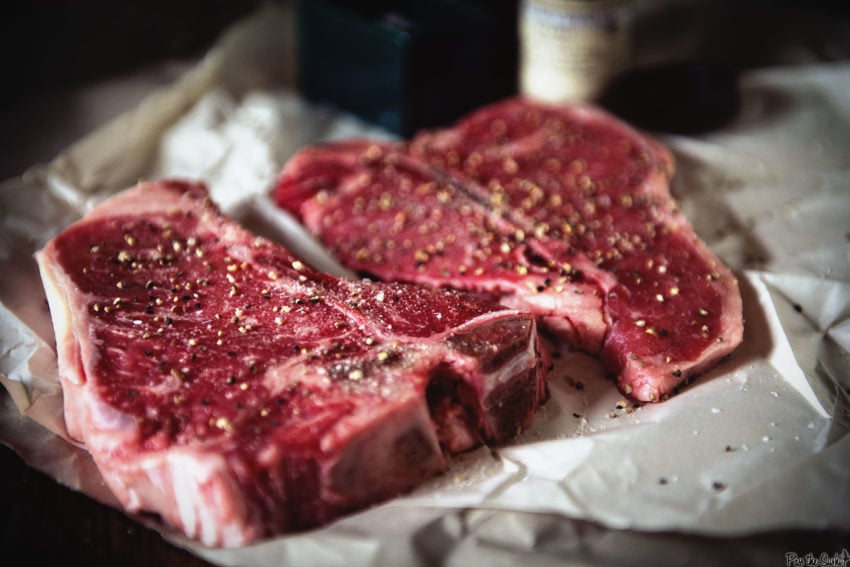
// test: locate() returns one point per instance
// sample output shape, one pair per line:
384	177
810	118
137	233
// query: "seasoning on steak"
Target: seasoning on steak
562	210
222	383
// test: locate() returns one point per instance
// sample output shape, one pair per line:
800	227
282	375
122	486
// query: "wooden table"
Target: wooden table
60	526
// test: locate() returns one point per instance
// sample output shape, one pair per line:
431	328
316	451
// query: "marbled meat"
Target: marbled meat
563	210
223	384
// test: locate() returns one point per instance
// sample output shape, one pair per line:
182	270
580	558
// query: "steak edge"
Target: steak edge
562	210
223	384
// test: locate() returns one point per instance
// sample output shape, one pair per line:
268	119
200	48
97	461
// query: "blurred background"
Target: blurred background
53	52
65	62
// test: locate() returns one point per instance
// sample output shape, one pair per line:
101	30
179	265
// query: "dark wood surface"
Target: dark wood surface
63	527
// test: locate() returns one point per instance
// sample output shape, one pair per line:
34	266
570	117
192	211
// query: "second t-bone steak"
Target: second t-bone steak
223	384
560	209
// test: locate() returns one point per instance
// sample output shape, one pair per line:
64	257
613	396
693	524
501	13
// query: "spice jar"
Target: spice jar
571	49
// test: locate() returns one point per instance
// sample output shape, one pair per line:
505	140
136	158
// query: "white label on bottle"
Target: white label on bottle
570	50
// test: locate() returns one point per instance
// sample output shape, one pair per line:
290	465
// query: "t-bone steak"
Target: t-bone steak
563	210
222	383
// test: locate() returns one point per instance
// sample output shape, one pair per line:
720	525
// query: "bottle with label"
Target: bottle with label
571	49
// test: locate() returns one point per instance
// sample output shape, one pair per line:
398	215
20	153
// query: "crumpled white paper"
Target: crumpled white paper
758	443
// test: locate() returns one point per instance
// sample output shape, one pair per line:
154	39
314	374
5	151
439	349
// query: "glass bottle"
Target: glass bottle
571	49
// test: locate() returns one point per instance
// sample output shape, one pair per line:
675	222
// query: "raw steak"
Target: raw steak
223	384
563	210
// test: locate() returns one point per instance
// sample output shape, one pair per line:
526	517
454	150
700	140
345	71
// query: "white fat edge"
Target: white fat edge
61	315
69	346
190	474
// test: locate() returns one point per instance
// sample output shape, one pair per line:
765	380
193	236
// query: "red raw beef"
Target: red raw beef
223	384
563	210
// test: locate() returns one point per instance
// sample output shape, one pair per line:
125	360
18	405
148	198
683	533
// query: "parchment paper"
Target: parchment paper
759	443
